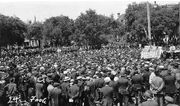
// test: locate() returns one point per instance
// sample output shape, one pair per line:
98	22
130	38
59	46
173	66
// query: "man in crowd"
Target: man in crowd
55	95
39	89
73	93
157	85
107	92
123	85
137	85
65	87
11	88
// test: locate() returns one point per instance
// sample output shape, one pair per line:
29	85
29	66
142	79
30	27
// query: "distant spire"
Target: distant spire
118	15
179	18
155	2
34	19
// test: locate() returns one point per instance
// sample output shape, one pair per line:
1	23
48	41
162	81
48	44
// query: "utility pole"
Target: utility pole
149	22
43	42
179	19
0	50
1	42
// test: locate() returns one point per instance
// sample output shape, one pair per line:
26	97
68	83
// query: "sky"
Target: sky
42	9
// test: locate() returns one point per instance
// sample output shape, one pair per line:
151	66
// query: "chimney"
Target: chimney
118	15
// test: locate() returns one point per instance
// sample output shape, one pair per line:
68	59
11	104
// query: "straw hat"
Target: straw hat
169	99
107	79
66	79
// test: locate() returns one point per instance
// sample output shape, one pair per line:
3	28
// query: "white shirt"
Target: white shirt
2	81
151	77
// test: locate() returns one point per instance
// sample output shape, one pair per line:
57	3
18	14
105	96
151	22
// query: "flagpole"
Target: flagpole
149	23
179	18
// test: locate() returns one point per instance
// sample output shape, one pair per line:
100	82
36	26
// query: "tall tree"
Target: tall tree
163	19
58	29
12	30
34	31
94	28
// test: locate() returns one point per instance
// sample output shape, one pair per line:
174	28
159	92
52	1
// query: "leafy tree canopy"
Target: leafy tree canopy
12	30
164	19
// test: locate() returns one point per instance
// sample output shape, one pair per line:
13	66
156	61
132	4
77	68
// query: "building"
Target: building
121	18
31	42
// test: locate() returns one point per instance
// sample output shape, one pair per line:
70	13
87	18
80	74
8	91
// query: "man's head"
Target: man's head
107	80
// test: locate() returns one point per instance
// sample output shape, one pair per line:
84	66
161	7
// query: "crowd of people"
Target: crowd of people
104	77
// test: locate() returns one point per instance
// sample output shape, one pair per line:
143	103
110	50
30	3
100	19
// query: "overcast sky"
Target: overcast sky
43	9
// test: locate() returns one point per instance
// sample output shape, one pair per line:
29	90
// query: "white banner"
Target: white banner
151	52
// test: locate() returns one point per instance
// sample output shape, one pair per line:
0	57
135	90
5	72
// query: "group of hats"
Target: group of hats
149	94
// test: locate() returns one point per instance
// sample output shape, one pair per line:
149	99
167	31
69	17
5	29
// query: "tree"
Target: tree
94	28
163	19
58	30
12	30
34	31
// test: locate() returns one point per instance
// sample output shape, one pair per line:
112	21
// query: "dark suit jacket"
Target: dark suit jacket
55	96
149	103
64	88
122	85
169	84
107	92
146	75
99	83
74	91
137	81
39	88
